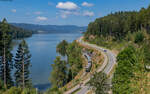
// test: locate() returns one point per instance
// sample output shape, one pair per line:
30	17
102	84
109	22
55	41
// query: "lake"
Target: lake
43	50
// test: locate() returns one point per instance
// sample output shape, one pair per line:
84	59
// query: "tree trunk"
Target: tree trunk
4	62
23	80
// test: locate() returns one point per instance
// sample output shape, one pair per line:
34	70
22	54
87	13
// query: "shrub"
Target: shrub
139	37
16	90
54	90
29	91
13	90
99	83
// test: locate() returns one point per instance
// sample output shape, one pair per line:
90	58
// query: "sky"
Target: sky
64	12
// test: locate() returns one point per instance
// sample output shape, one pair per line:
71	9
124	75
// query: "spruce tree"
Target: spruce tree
6	64
22	65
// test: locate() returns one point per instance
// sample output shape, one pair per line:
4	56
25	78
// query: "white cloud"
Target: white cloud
14	10
65	13
67	5
88	13
41	18
86	4
38	12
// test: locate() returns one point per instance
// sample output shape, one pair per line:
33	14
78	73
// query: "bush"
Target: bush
127	63
29	91
99	83
54	90
139	37
13	90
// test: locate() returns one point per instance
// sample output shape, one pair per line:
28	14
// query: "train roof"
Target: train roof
87	56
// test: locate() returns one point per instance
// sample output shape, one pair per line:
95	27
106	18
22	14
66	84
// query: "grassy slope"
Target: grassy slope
142	83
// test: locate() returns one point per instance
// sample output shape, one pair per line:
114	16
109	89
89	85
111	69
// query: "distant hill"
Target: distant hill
18	32
51	28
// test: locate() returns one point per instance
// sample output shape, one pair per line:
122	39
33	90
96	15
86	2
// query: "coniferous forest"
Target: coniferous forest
22	83
117	25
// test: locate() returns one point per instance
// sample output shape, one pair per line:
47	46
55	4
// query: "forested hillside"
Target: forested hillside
129	34
116	26
17	32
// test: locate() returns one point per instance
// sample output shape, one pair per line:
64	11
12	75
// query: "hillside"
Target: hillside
118	27
126	33
51	28
18	32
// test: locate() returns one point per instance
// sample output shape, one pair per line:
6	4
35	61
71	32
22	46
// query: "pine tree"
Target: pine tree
22	65
6	64
58	75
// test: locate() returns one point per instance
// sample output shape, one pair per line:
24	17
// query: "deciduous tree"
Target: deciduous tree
99	83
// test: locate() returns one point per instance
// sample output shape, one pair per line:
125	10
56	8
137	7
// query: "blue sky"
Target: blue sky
64	12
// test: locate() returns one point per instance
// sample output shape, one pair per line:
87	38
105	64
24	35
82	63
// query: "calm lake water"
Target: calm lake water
43	50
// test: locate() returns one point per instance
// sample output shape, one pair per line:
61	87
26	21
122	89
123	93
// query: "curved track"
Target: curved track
108	64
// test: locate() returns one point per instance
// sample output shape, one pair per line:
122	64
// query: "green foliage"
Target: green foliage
29	91
131	76
22	64
121	29
119	24
53	90
59	73
15	90
1	85
17	33
127	63
62	48
99	83
64	71
139	37
74	58
147	54
5	54
6	63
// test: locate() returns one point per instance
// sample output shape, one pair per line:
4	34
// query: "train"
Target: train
89	65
